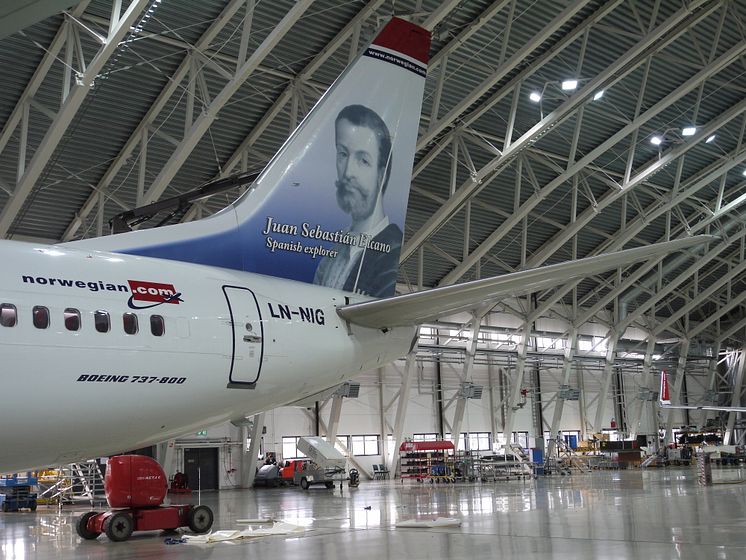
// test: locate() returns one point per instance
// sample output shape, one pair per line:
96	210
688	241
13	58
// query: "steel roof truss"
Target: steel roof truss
141	131
304	76
612	75
83	84
210	113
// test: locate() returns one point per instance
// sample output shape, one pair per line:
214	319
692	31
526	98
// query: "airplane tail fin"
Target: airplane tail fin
329	207
664	397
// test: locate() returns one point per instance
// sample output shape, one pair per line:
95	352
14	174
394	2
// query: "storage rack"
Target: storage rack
427	460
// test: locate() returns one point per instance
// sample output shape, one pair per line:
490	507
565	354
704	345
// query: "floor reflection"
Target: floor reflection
626	514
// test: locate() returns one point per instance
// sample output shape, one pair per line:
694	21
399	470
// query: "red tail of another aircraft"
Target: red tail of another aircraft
664	397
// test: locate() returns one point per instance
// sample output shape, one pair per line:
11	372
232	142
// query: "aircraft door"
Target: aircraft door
248	337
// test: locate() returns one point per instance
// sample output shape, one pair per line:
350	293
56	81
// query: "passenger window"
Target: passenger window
102	322
130	323
157	325
72	319
41	317
8	315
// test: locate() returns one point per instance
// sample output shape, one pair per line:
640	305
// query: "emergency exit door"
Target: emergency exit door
248	337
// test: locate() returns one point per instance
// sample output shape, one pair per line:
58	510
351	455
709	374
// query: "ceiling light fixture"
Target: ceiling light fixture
535	96
569	85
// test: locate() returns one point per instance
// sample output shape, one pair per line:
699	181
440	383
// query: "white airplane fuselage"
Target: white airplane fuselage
234	344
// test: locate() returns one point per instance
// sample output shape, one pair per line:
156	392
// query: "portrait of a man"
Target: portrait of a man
363	163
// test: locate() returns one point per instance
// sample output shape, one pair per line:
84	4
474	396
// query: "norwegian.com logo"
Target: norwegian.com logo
153	293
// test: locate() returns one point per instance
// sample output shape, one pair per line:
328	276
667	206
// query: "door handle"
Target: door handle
252	338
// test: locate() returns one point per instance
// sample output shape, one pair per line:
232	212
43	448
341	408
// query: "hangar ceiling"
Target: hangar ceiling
101	113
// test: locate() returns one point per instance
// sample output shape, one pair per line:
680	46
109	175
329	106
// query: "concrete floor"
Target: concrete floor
629	514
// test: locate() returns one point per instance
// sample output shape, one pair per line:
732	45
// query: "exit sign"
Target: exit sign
202	433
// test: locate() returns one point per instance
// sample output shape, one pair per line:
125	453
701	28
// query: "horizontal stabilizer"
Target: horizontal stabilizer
430	305
705	407
664	399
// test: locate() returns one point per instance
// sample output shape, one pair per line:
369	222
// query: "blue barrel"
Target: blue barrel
537	456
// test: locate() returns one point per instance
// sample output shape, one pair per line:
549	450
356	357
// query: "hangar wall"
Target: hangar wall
362	415
440	364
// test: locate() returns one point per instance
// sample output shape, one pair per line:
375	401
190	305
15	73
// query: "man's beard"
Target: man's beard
353	200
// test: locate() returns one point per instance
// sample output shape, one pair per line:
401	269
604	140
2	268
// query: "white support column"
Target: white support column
401	409
243	464
712	377
735	400
461	401
516	383
612	339
582	403
559	402
656	427
248	465
166	455
494	379
676	389
382	417
647	362
334	415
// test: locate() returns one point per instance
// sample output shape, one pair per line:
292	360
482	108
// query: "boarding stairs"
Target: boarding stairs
525	464
566	457
651	460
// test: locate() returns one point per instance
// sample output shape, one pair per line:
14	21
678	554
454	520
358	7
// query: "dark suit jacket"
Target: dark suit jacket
379	270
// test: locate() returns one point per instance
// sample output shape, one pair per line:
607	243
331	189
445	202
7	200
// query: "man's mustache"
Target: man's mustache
348	185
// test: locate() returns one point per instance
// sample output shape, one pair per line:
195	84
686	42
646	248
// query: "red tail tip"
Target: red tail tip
664	387
406	38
